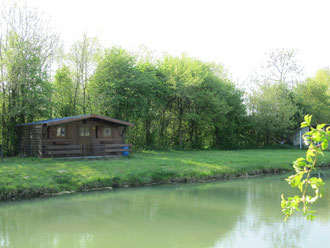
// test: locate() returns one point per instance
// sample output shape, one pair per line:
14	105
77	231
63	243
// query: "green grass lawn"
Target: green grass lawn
30	177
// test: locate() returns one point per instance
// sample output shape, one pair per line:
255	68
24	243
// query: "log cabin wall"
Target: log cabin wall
92	133
30	140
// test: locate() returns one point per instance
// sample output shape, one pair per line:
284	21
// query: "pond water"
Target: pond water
238	213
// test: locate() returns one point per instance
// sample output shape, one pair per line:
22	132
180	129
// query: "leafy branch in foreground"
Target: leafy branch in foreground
317	139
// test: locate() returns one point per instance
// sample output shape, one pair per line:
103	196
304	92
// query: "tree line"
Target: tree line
175	102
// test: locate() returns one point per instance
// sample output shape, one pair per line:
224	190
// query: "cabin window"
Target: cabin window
84	131
60	132
31	135
107	132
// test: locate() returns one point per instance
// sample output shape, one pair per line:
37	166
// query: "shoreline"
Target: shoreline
29	178
184	181
221	177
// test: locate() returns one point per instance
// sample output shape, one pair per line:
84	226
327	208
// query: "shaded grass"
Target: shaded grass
31	177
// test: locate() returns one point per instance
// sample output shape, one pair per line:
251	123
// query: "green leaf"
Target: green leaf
309	158
300	159
307	134
311	153
304	124
310	217
317	137
295	180
307	119
317	141
325	144
301	186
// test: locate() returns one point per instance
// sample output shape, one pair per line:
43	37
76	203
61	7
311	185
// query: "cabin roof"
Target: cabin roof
61	120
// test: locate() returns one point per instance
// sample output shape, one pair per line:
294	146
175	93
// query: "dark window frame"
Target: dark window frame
105	134
84	132
63	130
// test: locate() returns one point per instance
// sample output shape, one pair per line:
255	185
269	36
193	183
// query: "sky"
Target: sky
235	33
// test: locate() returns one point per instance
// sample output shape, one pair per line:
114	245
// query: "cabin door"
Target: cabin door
84	139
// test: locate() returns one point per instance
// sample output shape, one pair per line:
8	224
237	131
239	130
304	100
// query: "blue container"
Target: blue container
125	153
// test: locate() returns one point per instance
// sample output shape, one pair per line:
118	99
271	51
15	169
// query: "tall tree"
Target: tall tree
110	85
281	66
64	93
204	102
83	57
182	74
272	99
27	48
313	96
175	102
272	111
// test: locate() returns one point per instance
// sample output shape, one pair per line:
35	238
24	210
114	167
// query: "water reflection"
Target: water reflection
219	214
261	224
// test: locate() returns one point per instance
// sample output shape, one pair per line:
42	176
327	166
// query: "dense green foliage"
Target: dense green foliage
25	51
64	92
313	96
28	177
178	102
318	141
174	102
272	113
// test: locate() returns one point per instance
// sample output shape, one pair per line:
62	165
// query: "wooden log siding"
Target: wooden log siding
42	138
79	150
31	141
111	149
64	150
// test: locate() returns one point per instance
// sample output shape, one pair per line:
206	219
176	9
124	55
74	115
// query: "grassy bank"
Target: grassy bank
31	177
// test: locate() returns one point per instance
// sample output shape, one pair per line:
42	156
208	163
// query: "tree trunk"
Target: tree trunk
217	135
180	127
148	132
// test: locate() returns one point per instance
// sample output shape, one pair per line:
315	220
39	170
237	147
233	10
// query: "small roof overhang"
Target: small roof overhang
62	120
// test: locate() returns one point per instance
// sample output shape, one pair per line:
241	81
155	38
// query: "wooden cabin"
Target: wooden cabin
74	136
